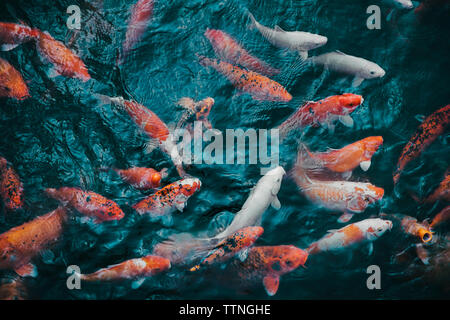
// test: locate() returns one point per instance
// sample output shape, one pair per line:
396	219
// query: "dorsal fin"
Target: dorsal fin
278	28
340	52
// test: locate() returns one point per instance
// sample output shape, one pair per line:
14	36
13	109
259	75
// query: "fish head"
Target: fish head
371	70
189	186
156	179
113	211
156	264
375	228
285	258
216	37
424	233
203	108
348	102
17	88
404	4
273	179
371	145
373	193
315	41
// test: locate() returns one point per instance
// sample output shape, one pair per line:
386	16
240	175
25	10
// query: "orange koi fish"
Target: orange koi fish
412	227
441	217
13	289
65	62
88	203
258	86
269	263
324	112
12	84
142	178
21	244
13	34
11	188
170	198
134	269
237	243
152	125
433	126
227	49
363	231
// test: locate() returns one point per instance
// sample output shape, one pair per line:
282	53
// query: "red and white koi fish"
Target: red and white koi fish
88	203
141	178
227	49
169	199
441	217
19	245
432	127
11	188
359	232
13	34
269	263
65	62
12	84
255	84
152	125
141	14
324	112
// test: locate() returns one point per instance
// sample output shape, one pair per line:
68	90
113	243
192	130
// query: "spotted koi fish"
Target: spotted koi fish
363	231
200	109
227	49
269	263
324	112
134	269
433	126
13	34
441	217
21	244
11	188
258	86
12	84
142	178
13	289
88	203
237	243
65	62
414	228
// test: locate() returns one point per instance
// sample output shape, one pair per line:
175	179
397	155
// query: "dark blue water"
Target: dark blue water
61	135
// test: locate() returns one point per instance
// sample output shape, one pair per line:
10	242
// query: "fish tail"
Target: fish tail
313	248
253	23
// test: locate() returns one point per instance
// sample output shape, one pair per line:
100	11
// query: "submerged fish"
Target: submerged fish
255	84
227	49
88	203
359	232
12	84
13	289
13	34
441	217
414	228
432	127
200	110
299	41
11	188
442	192
21	244
142	178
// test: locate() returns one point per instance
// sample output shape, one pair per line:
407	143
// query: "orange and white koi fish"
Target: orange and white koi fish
227	49
258	86
412	227
65	62
433	126
235	244
152	125
324	112
13	289
88	203
441	217
269	263
13	34
170	198
200	109
142	178
12	84
19	245
134	269
349	157
359	232
11	188
141	14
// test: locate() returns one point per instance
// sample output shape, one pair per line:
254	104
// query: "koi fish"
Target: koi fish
442	192
13	34
269	263
21	244
134	269
324	112
293	40
263	195
13	289
200	109
152	126
65	62
433	126
367	230
142	178
141	14
255	84
12	84
237	243
11	188
88	203
169	199
441	217
428	6
349	157
412	227
227	49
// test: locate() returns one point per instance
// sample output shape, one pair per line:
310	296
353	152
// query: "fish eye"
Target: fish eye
380	229
288	263
372	72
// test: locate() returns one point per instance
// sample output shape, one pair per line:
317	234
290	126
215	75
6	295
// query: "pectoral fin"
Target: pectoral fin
303	54
7	47
357	81
151	145
243	254
365	165
346	121
180	206
346	217
271	284
276	203
137	283
370	248
27	270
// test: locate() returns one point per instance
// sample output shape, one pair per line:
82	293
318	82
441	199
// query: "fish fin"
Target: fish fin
47	256
303	54
53	72
271	284
278	28
137	283
164	173
7	47
276	203
346	121
365	165
332	230
151	145
253	20
370	248
331	127
390	15
345	217
243	254
187	103
104	99
357	81
422	254
180	206
340	52
346	175
27	270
